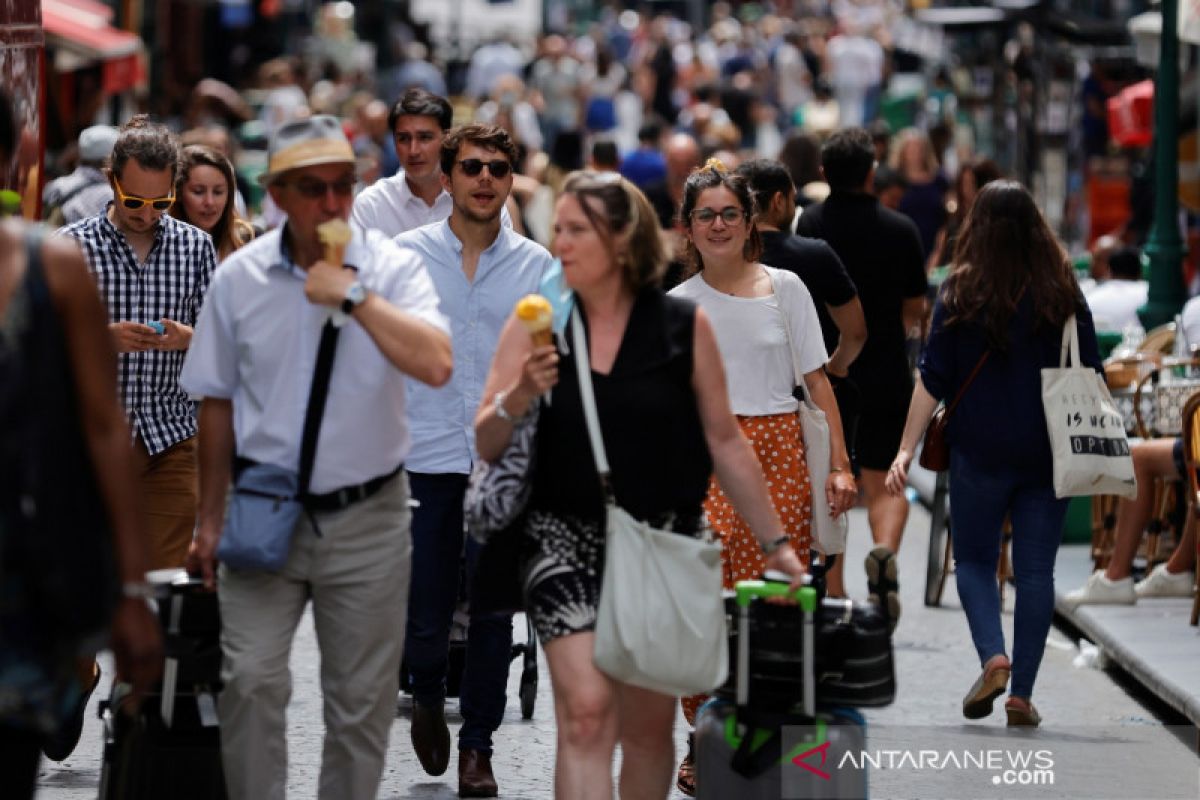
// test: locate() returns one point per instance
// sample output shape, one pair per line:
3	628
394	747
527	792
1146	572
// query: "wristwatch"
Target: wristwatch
773	545
501	411
356	294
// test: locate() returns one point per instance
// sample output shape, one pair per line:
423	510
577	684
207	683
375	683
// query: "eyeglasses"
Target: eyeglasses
498	168
314	189
134	202
730	215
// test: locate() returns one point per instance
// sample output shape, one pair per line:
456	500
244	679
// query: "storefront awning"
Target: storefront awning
83	28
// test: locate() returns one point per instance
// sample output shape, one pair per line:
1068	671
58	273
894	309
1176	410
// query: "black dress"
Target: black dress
657	453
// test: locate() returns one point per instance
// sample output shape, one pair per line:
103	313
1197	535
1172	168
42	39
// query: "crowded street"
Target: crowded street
552	399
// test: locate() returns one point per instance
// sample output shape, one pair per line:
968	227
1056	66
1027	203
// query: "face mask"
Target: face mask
561	298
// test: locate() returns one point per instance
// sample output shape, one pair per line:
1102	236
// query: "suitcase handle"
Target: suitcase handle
746	591
806	596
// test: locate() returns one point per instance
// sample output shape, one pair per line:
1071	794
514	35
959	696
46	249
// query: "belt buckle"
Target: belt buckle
343	498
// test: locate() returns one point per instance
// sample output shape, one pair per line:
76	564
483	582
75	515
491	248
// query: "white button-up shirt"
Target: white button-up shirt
256	344
390	207
443	419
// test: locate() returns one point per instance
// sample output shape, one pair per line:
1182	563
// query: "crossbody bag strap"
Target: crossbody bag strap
317	394
797	376
963	389
583	369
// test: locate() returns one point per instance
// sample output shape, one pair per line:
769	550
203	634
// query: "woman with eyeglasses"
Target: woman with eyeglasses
767	332
664	411
205	192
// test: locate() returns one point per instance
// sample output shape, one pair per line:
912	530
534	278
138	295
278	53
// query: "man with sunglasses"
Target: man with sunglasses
481	269
253	360
414	196
152	271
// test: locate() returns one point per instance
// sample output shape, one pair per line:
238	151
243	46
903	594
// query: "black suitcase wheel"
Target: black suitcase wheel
528	691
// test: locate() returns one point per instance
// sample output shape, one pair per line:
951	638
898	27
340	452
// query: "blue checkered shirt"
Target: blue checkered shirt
171	283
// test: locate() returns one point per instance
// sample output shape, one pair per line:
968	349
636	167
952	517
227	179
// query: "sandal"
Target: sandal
686	780
990	684
882	587
1022	713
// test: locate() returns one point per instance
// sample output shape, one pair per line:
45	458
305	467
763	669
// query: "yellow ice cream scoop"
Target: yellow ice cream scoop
537	315
335	235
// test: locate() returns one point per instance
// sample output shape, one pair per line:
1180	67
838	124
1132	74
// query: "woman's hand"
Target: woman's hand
841	492
540	373
785	560
897	475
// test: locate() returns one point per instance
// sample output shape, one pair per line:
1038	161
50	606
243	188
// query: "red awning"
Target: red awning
83	27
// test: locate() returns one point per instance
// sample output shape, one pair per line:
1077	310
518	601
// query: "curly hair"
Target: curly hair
148	143
622	211
1005	248
713	176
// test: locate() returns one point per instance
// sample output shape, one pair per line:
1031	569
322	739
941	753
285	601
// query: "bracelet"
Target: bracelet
137	590
501	412
773	545
839	469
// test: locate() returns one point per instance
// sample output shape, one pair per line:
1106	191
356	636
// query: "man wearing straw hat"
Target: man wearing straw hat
253	358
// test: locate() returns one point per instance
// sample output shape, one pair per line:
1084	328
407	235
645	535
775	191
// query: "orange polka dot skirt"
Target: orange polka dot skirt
778	443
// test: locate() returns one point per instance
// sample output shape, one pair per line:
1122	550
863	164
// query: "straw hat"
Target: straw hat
307	143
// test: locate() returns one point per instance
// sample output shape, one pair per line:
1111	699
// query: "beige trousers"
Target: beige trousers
357	576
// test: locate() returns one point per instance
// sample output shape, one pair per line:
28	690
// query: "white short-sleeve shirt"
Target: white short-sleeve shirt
759	366
255	343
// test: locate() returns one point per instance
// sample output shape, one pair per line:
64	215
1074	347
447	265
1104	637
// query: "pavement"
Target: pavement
1104	741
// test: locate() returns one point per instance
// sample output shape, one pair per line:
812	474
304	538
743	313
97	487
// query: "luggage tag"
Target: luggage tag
207	707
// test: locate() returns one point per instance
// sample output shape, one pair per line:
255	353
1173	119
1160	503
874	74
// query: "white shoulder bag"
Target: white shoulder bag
661	621
1087	432
829	531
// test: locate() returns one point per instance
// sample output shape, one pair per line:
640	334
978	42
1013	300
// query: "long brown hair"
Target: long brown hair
1004	250
231	231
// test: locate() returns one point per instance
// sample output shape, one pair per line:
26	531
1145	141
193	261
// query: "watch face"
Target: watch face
356	293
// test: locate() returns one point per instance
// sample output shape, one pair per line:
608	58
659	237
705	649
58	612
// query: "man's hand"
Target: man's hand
136	645
133	337
176	335
202	555
327	284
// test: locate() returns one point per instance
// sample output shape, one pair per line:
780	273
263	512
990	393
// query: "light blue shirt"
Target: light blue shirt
442	421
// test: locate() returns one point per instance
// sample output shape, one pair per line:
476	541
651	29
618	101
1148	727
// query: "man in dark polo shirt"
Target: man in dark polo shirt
881	251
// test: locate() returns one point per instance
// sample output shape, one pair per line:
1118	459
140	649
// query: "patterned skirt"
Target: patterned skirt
778	442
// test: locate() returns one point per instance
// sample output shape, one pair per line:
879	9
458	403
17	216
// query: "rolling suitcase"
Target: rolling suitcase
171	746
795	752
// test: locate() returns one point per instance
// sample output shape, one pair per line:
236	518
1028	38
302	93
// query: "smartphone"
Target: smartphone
159	328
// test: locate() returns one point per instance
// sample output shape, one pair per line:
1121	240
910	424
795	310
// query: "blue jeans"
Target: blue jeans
438	534
979	501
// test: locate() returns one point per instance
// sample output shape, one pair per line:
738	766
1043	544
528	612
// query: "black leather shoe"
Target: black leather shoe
430	738
475	777
60	744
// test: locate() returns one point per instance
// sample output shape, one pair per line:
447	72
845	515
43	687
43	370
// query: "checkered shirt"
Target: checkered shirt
171	283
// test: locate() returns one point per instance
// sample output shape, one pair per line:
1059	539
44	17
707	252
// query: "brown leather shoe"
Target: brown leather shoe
475	777
430	738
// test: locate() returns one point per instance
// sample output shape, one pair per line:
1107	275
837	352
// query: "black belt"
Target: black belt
347	495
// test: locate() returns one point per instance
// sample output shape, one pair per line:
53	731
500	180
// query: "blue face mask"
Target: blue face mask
554	288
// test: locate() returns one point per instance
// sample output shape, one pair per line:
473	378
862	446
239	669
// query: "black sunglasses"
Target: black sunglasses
313	189
473	166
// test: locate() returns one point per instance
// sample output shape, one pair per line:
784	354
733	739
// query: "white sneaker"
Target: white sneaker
1099	590
1160	583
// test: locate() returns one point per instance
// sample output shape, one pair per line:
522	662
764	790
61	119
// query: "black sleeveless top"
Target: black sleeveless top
648	417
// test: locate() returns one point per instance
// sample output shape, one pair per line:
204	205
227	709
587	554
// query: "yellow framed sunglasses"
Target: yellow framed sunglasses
134	202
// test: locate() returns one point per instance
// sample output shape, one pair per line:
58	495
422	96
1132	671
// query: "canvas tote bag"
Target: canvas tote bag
661	621
1087	432
829	531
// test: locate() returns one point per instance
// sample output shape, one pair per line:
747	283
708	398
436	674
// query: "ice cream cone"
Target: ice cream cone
537	315
335	235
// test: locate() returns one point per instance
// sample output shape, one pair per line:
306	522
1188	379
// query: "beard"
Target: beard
477	217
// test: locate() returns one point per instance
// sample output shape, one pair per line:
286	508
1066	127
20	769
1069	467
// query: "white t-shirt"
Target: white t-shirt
1114	303
754	342
1191	323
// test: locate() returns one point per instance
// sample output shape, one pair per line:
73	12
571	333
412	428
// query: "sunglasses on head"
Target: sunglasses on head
314	189
134	202
473	166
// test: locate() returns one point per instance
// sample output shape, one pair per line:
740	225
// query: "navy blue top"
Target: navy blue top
1000	420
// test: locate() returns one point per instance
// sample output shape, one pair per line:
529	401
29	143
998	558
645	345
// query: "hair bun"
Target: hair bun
715	165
